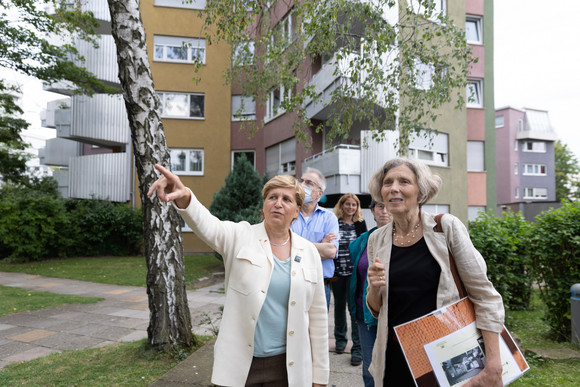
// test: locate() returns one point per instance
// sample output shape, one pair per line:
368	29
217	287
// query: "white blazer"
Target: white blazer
248	262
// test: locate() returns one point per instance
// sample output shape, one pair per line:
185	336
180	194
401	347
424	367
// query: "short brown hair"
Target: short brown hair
357	217
285	181
429	183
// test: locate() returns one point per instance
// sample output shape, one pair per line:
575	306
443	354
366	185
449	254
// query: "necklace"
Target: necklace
283	244
407	238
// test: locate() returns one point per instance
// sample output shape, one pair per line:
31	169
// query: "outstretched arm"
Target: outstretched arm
170	188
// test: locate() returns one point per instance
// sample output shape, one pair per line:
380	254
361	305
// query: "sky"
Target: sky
536	56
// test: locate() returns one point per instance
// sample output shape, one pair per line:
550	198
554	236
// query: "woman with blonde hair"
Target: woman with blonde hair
274	328
351	225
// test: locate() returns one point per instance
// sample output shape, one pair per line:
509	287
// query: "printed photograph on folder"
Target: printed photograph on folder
458	357
444	347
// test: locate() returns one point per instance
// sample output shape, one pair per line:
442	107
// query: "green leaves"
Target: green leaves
371	49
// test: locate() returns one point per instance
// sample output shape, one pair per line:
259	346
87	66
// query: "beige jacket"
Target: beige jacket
489	310
248	262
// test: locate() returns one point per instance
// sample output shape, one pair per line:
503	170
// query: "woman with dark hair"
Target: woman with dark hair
410	274
351	225
366	324
274	328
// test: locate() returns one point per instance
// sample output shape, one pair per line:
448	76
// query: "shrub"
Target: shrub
34	224
555	250
105	228
502	243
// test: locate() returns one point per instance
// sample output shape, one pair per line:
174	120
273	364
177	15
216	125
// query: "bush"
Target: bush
34	224
555	250
502	243
105	228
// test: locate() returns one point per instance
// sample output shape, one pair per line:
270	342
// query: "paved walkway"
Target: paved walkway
122	316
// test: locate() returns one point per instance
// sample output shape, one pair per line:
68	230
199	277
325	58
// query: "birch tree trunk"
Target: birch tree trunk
170	320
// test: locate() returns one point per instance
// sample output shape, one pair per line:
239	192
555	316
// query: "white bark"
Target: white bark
170	321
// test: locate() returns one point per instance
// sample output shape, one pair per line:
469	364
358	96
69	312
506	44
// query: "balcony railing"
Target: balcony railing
58	151
102	176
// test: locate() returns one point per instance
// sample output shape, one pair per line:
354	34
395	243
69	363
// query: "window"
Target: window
473	30
535	193
535	169
534	146
474	93
516	145
516	169
243	108
517	192
436	208
281	158
475	156
287	29
244	53
520	125
180	105
274	102
184	226
432	148
473	212
439	7
178	49
186	161
423	75
193	4
499	121
249	154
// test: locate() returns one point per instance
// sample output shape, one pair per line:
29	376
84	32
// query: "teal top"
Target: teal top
270	333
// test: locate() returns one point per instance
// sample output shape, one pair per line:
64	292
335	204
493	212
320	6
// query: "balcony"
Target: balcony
98	120
102	176
348	168
58	151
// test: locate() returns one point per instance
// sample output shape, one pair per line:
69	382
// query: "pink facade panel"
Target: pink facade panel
477	70
475	124
474	7
476	189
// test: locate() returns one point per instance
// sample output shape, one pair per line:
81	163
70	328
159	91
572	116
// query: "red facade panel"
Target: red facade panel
475	124
476	189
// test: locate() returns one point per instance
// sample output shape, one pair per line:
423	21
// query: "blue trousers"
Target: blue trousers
367	336
340	289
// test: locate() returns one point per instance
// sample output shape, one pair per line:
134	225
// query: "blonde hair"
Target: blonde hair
357	217
285	181
428	183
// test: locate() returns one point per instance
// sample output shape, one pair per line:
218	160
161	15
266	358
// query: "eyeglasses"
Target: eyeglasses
308	183
380	206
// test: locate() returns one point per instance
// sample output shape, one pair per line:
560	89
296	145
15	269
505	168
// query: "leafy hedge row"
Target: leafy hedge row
36	224
546	254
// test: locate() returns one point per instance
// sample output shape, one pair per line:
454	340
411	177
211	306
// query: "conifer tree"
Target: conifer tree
241	196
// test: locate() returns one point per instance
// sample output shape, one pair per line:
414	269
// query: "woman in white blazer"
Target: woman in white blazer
274	328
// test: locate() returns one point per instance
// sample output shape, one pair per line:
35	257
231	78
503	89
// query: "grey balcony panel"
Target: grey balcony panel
49	117
99	8
103	61
58	151
375	154
102	176
100	120
537	135
61	177
340	165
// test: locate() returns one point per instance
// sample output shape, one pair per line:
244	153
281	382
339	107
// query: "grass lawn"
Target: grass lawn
15	300
126	364
533	332
131	271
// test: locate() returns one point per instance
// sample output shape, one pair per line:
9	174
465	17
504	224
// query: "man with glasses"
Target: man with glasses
318	224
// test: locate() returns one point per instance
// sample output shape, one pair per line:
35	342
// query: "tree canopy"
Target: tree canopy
32	33
397	62
567	172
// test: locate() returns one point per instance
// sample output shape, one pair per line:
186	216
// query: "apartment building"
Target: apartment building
525	156
458	153
93	145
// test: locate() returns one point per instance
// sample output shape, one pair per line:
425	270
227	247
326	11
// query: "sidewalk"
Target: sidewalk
123	316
